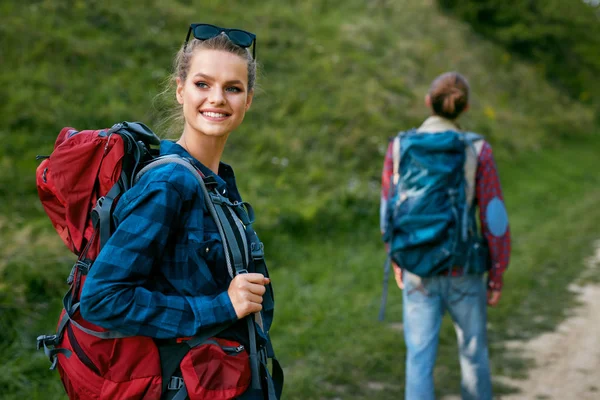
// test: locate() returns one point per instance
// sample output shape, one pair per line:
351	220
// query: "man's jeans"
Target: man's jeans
425	301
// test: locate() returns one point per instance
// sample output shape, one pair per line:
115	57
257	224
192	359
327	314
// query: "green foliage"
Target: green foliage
337	79
561	37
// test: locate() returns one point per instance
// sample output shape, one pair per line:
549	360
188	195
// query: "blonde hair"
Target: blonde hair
181	64
449	95
173	123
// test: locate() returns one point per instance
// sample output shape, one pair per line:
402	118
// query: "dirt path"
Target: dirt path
567	361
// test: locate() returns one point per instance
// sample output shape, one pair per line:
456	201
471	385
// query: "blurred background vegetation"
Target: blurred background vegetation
338	78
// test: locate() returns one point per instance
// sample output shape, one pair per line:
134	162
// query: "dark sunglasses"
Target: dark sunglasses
237	36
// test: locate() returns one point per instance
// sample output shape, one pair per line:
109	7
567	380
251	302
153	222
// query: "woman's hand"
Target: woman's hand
493	297
398	275
245	292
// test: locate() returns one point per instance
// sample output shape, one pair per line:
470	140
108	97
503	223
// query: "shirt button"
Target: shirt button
207	250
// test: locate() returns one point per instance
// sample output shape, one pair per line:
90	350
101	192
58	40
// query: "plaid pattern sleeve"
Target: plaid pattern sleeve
386	177
119	292
488	188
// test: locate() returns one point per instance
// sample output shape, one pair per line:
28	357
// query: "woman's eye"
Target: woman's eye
202	85
234	89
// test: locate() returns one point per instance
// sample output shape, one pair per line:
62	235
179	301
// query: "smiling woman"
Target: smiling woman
214	101
167	270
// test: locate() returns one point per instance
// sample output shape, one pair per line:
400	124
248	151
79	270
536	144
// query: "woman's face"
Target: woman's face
215	94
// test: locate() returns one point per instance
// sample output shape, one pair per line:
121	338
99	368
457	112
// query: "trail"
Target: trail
567	361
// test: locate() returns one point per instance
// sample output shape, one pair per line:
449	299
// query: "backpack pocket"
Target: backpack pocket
108	369
479	257
217	369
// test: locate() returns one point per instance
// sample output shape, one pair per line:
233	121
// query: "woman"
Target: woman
163	272
456	284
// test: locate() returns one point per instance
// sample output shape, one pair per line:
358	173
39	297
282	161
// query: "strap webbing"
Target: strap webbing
182	394
386	277
234	248
52	354
274	382
241	230
253	354
101	212
68	317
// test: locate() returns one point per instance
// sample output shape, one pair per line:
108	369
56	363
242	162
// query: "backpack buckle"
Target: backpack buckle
46	340
216	198
95	213
210	182
175	383
257	250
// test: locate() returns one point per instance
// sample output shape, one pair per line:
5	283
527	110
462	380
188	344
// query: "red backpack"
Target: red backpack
79	184
82	179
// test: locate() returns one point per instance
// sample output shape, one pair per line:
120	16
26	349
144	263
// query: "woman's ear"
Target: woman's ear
179	90
427	101
249	99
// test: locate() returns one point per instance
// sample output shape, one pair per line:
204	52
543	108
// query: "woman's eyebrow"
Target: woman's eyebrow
210	78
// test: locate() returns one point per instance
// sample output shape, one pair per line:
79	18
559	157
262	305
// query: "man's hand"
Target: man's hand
493	297
245	292
398	275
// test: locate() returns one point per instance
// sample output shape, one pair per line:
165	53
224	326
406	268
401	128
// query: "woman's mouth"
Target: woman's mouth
215	116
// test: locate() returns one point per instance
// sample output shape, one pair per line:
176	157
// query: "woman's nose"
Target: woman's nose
216	96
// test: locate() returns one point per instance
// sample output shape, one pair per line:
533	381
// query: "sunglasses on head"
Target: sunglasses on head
237	36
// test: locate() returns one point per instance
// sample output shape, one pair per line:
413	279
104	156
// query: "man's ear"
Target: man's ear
179	90
467	107
249	99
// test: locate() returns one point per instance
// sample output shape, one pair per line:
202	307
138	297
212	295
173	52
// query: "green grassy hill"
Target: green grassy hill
337	79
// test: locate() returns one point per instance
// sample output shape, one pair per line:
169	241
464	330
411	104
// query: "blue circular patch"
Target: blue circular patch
496	217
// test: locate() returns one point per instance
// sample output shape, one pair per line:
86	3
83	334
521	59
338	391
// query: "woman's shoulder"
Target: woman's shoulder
167	176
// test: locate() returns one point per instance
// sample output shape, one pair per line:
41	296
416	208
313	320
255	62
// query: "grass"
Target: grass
338	78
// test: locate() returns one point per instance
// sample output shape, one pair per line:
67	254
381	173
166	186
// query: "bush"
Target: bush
562	37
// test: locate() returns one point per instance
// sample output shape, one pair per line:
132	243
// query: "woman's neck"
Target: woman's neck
206	149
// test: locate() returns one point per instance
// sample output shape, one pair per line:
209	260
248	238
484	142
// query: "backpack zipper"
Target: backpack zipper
233	350
226	349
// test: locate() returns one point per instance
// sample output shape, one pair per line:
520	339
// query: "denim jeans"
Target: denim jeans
425	300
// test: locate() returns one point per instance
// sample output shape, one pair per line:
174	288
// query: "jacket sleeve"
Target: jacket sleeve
493	216
386	177
115	295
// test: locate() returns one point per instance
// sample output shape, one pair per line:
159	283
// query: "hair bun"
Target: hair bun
449	95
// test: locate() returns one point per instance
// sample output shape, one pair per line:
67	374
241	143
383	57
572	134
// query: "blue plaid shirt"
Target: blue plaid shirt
163	273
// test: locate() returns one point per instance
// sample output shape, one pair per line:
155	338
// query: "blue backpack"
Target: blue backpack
430	223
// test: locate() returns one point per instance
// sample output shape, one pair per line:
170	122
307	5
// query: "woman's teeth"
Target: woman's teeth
214	114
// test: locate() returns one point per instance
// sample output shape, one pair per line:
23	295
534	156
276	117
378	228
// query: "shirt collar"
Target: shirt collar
225	178
437	124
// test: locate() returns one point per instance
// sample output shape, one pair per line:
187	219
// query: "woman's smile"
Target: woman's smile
215	115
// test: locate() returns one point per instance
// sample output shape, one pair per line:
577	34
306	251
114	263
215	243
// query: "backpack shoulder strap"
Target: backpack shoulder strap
396	159
473	146
396	153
